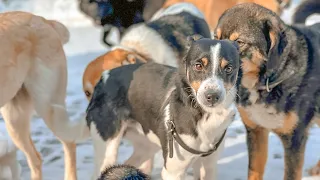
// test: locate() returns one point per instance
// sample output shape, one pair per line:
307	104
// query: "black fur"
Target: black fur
119	13
137	92
123	172
175	28
306	9
294	57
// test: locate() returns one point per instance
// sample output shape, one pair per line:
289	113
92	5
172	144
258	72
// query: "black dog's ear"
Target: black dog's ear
191	39
195	37
274	37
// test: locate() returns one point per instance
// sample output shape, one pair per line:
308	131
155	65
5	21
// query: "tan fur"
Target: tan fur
260	154
34	77
107	61
196	85
213	9
223	63
204	61
315	171
290	123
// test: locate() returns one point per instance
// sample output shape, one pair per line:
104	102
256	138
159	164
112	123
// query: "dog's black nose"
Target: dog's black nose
212	96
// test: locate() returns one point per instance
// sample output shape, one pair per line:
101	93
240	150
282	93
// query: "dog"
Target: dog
122	13
183	111
123	172
34	77
162	40
9	165
304	10
118	13
278	83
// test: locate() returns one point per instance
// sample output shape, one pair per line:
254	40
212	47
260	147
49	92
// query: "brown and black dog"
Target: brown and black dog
279	84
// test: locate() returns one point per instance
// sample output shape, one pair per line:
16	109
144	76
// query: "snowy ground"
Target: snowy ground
83	47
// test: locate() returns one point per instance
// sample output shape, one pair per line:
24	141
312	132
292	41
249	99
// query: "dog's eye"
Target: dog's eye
240	42
198	67
228	69
87	93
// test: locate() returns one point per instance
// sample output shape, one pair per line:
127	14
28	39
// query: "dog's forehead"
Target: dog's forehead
213	48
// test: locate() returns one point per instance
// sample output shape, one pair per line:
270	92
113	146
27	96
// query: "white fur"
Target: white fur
176	9
9	166
215	55
144	40
210	131
105	75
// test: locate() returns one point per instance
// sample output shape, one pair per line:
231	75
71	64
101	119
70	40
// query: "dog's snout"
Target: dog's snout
212	96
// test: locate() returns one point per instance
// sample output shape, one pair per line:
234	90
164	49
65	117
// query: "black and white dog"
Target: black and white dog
184	111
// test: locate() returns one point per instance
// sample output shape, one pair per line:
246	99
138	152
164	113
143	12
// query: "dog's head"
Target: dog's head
113	13
260	36
122	172
211	69
112	59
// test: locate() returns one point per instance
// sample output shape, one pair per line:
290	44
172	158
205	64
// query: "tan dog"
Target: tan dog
34	77
213	9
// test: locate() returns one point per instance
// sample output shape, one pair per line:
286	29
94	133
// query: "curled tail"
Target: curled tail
304	10
123	172
61	29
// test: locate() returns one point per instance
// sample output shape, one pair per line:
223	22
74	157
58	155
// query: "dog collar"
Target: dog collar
269	86
172	134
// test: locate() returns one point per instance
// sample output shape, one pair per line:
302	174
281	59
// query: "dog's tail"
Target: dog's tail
123	172
61	29
304	10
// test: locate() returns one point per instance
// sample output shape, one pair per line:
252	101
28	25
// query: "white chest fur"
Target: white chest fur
263	115
210	128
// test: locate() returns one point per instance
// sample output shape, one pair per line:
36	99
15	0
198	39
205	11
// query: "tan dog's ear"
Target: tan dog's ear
131	59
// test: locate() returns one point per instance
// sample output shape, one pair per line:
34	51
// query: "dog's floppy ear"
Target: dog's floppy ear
191	39
274	37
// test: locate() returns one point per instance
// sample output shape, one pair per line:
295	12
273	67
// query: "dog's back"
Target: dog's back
113	91
26	38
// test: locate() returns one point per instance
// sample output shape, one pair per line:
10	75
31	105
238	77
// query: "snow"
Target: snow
85	44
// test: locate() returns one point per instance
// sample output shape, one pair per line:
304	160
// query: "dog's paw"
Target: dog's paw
315	171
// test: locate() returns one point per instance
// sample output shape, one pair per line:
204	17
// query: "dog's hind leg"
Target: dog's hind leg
112	146
105	152
140	158
47	89
17	115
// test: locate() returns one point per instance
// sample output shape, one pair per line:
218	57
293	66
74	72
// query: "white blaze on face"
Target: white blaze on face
215	56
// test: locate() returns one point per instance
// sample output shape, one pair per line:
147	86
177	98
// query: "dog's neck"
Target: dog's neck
199	129
144	39
286	77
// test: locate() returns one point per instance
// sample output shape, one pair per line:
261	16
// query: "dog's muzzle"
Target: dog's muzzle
210	93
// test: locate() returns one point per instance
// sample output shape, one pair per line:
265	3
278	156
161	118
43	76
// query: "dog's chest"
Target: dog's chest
210	129
265	116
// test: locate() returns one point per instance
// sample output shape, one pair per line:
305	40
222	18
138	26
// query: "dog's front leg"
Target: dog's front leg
257	143
294	148
175	167
205	168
